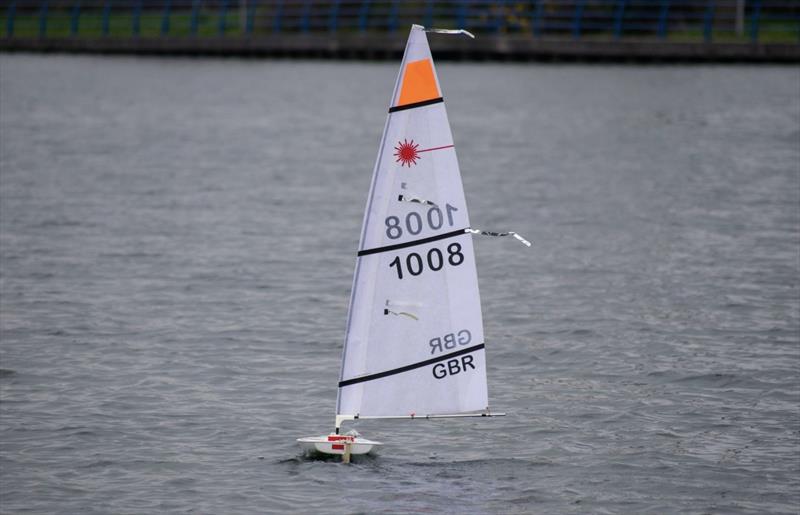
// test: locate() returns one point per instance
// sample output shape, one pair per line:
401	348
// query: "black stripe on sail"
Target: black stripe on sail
406	368
413	243
416	104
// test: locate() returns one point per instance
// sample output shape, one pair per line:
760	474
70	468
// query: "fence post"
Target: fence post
392	22
576	24
43	19
708	22
194	19
276	23
536	23
106	14
754	19
428	13
363	16
10	15
223	13
663	19
251	13
74	21
462	15
619	18
500	20
740	6
137	16
165	18
305	21
333	20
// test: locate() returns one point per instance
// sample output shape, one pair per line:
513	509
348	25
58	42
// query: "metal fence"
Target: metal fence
678	20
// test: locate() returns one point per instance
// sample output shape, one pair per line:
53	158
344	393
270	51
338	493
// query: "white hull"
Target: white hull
326	445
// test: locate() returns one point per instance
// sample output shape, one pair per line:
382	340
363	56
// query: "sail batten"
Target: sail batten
412	243
431	359
412	366
414	105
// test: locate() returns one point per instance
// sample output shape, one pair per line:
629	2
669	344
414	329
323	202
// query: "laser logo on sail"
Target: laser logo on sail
407	153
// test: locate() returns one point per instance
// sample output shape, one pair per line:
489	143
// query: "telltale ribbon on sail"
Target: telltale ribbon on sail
387	310
415	200
451	31
493	233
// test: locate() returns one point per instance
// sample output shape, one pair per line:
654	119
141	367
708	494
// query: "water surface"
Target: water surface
177	241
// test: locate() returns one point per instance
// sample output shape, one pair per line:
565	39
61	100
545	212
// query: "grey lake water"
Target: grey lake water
177	242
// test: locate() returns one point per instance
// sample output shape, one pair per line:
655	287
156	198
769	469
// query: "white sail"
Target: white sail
414	342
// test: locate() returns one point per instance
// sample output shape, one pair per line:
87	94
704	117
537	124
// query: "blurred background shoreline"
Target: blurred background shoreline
541	30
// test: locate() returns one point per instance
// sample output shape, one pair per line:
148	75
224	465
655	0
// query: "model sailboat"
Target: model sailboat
414	346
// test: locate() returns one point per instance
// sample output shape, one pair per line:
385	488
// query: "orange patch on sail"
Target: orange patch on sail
419	83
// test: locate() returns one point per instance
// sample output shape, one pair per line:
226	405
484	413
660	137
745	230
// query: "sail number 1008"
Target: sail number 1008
434	258
414	222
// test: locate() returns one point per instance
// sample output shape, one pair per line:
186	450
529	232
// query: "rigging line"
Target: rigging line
413	243
413	366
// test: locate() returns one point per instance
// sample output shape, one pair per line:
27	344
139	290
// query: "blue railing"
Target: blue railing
707	20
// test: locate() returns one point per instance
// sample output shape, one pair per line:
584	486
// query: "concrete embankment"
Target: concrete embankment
390	46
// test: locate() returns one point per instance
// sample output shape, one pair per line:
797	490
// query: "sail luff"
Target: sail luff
364	227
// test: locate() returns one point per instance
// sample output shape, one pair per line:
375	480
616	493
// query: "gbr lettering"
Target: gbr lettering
453	367
450	341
